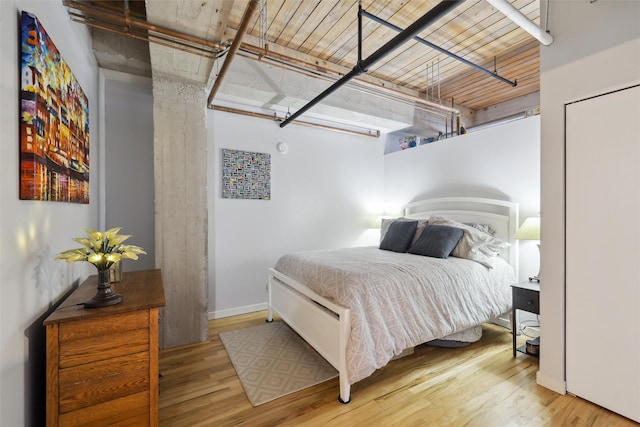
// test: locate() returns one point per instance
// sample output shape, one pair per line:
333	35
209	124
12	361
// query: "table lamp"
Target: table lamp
530	230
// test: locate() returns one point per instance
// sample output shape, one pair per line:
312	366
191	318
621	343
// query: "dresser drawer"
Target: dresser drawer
92	340
526	299
106	380
102	363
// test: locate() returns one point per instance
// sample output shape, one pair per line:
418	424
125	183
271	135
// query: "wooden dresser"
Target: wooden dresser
102	363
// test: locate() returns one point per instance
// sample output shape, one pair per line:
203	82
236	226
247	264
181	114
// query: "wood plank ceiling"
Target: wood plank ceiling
324	34
320	37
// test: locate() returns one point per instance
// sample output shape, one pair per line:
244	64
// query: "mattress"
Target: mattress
400	300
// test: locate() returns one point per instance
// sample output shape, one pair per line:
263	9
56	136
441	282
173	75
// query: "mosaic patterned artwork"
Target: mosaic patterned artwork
54	122
246	175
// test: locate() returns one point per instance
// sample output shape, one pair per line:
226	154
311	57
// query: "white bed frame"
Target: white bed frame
326	325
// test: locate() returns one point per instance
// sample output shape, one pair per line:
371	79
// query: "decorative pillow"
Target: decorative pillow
386	222
436	241
384	225
419	230
474	244
399	236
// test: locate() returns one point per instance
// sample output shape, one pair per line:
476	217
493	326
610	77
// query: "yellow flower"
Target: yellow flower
102	248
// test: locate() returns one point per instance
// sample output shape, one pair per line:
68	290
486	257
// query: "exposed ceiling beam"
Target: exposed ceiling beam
427	19
439	49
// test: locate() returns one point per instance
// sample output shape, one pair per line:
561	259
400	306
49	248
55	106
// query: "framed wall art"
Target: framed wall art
246	175
54	122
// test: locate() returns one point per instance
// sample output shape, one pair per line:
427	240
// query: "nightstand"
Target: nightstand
526	297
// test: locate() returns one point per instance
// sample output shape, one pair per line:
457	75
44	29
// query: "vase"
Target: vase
105	295
115	272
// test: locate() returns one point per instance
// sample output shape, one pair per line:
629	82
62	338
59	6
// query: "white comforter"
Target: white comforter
400	300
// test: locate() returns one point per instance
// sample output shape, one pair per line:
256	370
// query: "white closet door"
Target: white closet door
603	250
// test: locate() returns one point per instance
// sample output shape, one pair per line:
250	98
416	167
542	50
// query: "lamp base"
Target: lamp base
536	278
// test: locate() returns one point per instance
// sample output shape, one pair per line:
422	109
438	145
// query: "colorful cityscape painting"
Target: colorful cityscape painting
54	122
246	175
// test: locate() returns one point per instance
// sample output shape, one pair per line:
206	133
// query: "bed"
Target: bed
362	307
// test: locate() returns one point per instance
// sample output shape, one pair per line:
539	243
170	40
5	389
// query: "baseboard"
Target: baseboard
502	321
219	314
551	383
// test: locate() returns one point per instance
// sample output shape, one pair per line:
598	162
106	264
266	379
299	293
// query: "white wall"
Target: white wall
501	162
129	189
324	194
329	188
596	48
34	232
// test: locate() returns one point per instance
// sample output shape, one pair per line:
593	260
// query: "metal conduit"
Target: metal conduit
99	17
427	19
439	49
170	42
248	13
292	64
372	133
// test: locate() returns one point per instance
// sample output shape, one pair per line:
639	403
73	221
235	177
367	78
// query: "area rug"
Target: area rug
273	361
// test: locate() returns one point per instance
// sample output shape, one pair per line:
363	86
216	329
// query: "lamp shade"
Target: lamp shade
530	229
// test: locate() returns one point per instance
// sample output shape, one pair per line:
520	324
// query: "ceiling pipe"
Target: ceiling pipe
372	133
441	50
127	14
170	42
89	14
248	13
522	21
369	88
427	19
289	63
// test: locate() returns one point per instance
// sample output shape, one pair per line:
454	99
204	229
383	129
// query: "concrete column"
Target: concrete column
180	170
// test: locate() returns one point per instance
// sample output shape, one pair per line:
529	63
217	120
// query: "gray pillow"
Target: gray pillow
399	236
436	241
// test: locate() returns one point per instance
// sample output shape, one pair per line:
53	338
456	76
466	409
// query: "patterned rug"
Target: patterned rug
273	361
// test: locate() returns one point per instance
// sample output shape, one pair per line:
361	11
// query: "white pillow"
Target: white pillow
475	245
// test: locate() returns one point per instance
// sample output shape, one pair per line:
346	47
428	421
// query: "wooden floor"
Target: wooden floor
480	385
